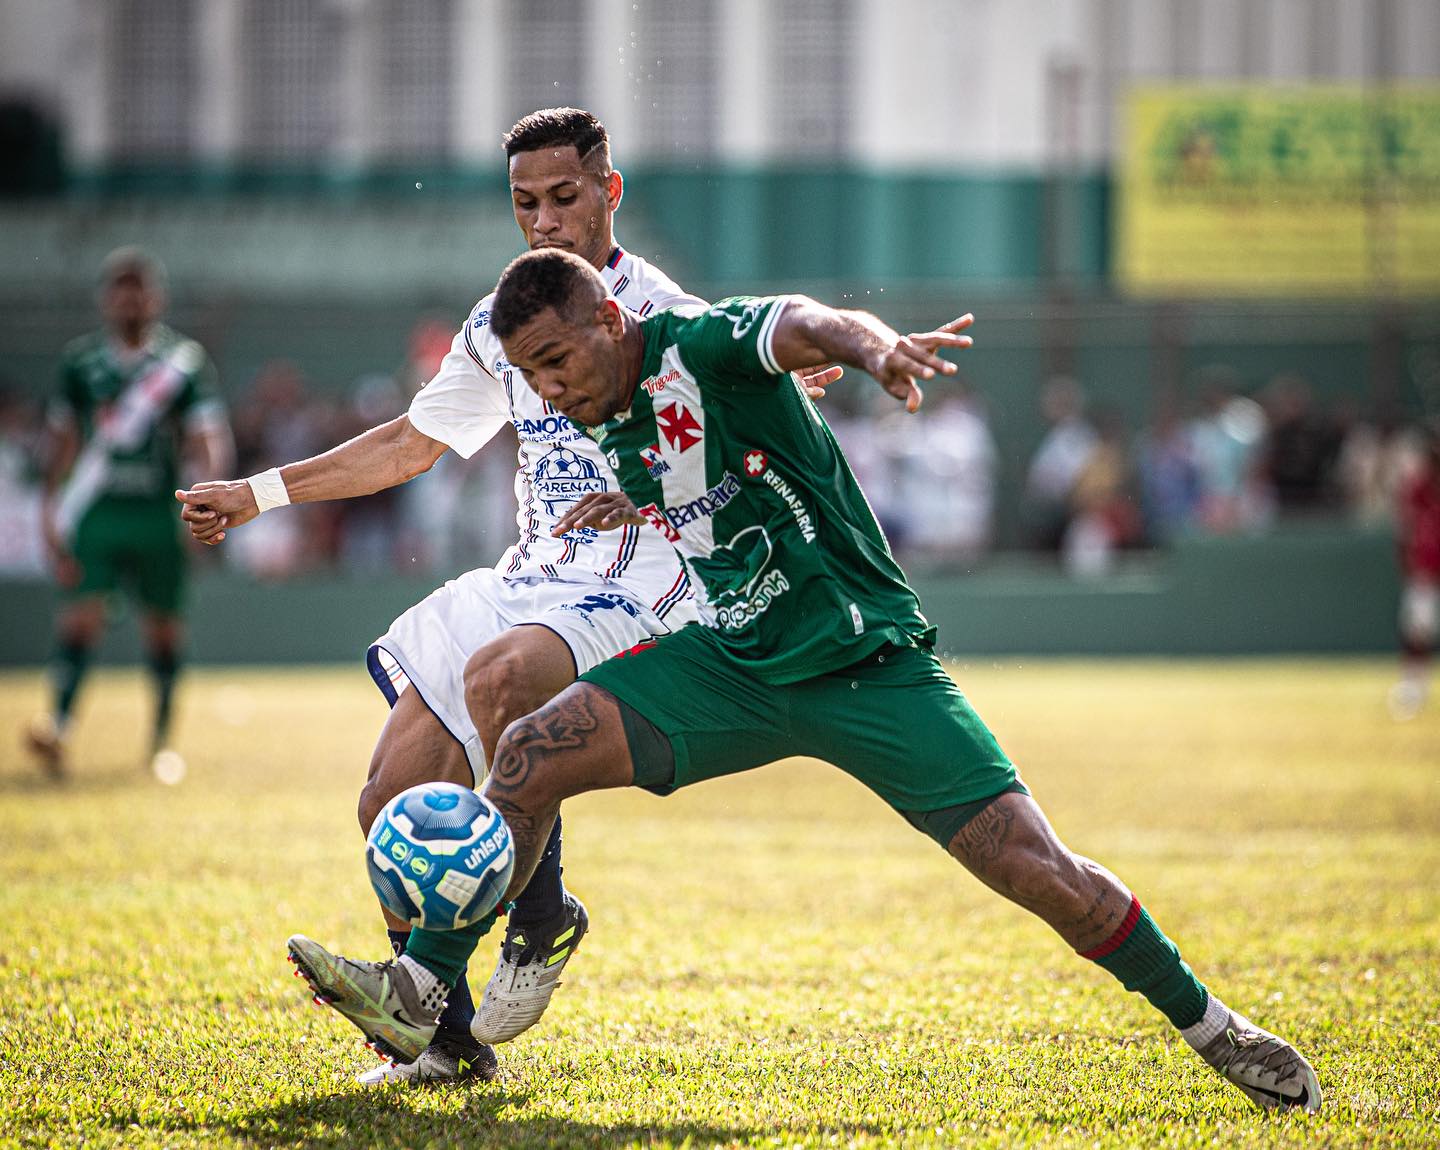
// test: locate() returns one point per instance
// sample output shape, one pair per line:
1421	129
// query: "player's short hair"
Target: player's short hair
542	279
132	261
560	128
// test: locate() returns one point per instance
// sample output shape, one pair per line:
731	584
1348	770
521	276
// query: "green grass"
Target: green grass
775	960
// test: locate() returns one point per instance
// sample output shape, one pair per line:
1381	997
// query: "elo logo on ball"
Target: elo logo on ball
439	856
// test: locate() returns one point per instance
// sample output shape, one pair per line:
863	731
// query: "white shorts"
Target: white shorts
429	645
1420	610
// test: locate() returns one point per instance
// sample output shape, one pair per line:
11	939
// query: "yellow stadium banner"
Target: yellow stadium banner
1280	191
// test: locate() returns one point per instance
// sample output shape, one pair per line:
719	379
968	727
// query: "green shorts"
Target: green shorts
895	721
134	544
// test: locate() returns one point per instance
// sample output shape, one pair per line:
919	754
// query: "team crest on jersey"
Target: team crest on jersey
654	462
562	477
679	427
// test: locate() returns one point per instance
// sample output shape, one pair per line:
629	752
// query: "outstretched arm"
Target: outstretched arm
382	457
808	332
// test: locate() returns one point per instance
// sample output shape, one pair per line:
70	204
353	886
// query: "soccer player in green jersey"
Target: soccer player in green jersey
134	398
810	641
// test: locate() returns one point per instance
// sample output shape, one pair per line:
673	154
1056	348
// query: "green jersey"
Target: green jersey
131	410
729	459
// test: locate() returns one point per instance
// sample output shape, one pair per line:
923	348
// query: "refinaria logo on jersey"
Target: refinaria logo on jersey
670	519
657	382
654	462
757	466
680	428
550	429
562	477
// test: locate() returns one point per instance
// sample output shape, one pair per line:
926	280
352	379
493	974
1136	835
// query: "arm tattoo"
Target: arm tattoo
562	724
982	840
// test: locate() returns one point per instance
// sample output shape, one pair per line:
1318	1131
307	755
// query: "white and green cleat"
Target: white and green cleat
1266	1069
444	1062
397	1017
528	973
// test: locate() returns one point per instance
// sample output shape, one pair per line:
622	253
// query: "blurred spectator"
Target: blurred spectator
1057	462
1300	449
946	477
1226	439
1418	522
1168	476
21	552
275	423
369	535
866	427
430	340
1103	515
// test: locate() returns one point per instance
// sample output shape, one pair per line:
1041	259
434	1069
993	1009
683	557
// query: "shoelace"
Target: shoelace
1272	1062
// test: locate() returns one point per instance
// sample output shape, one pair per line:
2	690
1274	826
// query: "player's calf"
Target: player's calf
1011	847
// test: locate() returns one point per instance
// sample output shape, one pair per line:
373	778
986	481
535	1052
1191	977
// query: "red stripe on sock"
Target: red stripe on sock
1113	943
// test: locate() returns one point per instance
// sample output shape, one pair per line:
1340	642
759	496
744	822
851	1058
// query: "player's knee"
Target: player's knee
497	691
372	801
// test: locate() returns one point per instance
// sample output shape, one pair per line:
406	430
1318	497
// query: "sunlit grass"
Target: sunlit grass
775	959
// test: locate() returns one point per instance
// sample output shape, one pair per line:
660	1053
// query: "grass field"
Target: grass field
775	960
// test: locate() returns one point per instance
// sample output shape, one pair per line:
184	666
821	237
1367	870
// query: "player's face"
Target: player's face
575	368
558	204
130	304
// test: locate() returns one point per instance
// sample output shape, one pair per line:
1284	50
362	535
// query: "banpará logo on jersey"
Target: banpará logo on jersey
741	321
658	382
549	429
562	477
601	601
654	462
670	519
679	426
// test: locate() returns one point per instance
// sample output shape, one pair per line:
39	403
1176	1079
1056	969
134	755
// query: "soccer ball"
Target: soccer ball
439	856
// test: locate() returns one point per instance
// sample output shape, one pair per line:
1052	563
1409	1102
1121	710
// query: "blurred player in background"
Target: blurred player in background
1418	521
811	642
496	643
134	399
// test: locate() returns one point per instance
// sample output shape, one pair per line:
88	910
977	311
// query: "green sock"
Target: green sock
164	666
66	674
1144	960
445	953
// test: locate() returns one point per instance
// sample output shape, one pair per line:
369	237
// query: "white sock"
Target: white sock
1212	1023
428	985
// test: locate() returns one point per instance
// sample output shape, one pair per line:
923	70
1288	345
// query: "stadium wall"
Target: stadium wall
1305	589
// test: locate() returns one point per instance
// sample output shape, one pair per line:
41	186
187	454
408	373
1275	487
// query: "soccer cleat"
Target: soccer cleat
47	745
531	959
378	997
1267	1070
444	1061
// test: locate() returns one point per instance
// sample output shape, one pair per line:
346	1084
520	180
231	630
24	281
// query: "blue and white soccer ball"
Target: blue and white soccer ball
439	856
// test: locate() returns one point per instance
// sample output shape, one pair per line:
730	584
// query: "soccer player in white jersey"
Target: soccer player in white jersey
495	644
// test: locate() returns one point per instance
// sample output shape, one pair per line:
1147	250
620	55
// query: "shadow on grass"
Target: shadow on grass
385	1118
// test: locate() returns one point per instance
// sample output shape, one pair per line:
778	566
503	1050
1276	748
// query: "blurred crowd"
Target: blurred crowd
1217	461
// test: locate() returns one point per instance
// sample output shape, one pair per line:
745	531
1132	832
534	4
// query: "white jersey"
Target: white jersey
476	391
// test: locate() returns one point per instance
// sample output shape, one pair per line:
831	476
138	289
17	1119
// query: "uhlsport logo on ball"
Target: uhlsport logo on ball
439	856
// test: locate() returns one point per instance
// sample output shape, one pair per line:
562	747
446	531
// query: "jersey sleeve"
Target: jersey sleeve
465	404
200	403
734	340
63	409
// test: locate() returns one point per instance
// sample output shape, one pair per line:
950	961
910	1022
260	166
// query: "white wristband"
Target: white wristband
269	490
